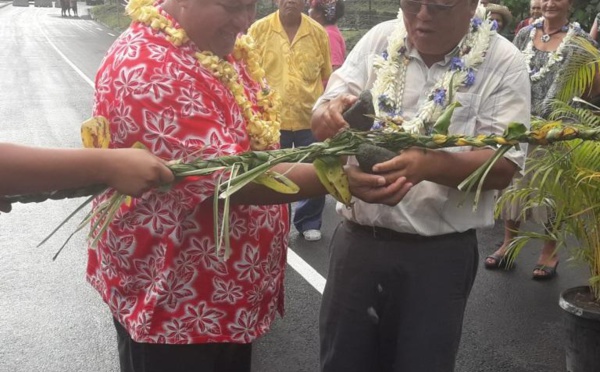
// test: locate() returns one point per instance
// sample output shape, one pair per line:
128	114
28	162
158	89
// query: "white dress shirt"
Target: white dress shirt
500	95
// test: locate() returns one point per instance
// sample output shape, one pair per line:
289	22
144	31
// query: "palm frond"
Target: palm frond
585	156
564	178
577	76
566	111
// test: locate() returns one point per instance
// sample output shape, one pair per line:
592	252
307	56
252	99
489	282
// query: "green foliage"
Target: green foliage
265	7
566	180
111	15
584	12
519	10
580	72
352	37
570	113
565	177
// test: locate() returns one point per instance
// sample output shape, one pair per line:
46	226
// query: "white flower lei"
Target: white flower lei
388	88
554	57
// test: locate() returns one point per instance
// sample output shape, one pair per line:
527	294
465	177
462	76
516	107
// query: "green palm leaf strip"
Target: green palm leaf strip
246	167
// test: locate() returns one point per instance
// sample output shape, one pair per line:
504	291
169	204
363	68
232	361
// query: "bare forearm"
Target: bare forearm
451	168
26	170
29	170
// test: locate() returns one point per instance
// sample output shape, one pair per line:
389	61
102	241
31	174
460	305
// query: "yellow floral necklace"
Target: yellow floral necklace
262	128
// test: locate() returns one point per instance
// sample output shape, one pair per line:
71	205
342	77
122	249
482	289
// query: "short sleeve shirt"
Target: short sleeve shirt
296	69
500	95
157	265
337	45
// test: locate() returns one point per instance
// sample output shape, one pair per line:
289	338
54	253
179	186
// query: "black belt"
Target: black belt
382	233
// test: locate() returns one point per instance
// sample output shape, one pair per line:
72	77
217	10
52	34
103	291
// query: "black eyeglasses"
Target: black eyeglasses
414	7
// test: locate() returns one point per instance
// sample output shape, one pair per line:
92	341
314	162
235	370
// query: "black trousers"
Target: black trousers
395	302
215	357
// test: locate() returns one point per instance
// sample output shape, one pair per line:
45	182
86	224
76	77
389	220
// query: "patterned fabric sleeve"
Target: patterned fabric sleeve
172	107
157	265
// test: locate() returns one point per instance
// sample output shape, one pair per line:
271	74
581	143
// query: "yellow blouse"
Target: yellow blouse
297	69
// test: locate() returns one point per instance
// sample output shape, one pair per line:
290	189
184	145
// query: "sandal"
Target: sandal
498	262
549	272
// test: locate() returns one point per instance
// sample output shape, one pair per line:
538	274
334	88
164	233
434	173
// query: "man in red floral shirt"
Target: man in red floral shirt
178	304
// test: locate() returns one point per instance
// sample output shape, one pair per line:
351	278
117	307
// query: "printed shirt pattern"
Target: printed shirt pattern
297	69
545	90
156	266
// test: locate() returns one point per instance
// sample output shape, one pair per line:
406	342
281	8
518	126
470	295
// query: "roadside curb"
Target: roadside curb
3	4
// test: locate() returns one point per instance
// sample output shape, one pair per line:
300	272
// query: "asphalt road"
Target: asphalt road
50	318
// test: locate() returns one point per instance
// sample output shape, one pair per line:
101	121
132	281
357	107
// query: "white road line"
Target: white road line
98	28
80	26
111	34
308	273
77	70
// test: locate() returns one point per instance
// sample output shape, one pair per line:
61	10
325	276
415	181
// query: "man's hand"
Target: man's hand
415	164
327	119
136	171
377	189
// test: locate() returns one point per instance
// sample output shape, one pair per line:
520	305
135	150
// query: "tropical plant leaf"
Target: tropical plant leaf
331	173
277	182
577	76
566	111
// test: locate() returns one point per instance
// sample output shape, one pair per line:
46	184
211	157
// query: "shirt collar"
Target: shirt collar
414	53
303	29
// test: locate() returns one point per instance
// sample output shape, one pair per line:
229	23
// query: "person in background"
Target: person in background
296	58
501	15
594	30
400	272
327	13
549	47
28	170
535	12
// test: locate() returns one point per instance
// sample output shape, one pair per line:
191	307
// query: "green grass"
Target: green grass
376	6
358	20
111	15
352	37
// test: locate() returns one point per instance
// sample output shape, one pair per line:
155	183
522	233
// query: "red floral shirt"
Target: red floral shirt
156	266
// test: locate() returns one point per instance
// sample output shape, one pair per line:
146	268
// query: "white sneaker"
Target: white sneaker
312	235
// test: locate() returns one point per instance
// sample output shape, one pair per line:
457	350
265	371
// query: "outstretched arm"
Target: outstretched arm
26	169
447	168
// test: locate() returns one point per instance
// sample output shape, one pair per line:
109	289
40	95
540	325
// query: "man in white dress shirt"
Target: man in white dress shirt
401	271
